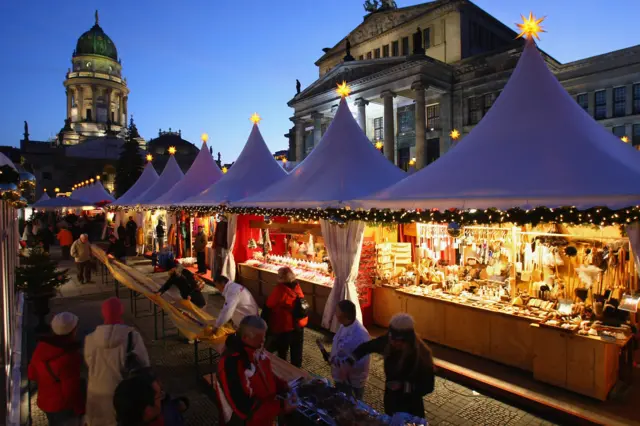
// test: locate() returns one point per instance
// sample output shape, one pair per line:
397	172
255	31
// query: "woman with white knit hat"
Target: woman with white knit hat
55	367
408	366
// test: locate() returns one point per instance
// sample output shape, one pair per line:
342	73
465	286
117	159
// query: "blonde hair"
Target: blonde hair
286	275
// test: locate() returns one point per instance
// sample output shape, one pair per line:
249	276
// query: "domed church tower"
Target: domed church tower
96	91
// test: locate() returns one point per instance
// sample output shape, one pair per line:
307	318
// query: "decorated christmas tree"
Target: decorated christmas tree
38	275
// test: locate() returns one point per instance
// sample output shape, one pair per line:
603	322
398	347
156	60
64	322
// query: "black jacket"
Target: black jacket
117	249
421	379
186	284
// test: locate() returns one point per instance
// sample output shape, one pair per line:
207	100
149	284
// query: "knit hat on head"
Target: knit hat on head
401	327
112	311
64	323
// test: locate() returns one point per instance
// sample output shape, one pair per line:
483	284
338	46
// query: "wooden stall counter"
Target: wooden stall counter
587	365
260	282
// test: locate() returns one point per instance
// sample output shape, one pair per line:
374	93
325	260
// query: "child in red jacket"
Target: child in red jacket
287	330
55	367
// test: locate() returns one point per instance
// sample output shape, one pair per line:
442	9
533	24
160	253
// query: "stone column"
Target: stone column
629	101
69	96
299	139
421	125
121	118
94	106
591	101
389	131
125	101
80	95
361	103
609	102
446	122
109	106
317	128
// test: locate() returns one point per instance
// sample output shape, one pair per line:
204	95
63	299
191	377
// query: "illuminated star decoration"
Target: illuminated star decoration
149	157
224	169
284	161
343	90
172	150
625	139
255	118
455	134
379	145
204	137
530	27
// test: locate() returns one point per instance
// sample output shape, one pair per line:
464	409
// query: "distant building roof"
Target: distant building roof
106	147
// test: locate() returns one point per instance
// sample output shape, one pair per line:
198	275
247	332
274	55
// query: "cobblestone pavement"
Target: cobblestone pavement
172	358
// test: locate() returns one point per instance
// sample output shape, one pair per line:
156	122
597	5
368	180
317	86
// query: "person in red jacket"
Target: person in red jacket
246	388
287	325
55	367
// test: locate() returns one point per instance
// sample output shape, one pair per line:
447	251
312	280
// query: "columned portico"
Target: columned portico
81	113
94	103
389	130
421	123
69	96
362	103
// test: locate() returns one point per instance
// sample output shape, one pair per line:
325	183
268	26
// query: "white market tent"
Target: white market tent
146	180
5	161
345	165
203	173
44	197
535	147
59	203
92	194
254	170
169	177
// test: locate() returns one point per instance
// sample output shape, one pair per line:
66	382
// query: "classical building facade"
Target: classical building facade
419	72
90	142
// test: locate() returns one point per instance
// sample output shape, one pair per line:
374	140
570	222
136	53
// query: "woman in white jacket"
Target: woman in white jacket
105	351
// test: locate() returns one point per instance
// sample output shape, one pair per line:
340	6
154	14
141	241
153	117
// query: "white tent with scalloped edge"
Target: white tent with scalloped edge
203	173
535	147
345	165
254	170
146	180
170	176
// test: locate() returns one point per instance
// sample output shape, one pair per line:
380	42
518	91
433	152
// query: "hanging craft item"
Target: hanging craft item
311	251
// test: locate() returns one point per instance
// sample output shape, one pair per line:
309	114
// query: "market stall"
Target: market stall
344	165
254	170
528	262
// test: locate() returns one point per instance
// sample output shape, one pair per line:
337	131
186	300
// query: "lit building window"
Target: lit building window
433	117
474	110
636	135
601	105
619	101
378	130
583	101
385	51
636	98
395	48
405	46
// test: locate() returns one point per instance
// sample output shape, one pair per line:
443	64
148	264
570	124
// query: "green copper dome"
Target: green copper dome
96	42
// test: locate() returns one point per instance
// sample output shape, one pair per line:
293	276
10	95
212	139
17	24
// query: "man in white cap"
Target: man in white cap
55	367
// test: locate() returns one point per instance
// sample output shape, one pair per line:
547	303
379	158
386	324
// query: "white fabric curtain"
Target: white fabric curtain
633	231
229	263
117	220
344	246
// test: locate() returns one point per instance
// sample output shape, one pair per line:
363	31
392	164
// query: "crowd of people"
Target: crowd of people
122	390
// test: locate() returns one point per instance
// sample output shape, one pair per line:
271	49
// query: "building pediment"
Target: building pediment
378	23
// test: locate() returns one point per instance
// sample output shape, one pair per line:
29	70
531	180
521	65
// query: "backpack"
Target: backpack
300	308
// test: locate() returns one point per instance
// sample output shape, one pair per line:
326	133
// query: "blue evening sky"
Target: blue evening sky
207	65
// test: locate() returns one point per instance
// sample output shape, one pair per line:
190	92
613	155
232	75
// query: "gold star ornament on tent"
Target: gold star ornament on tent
343	90
530	27
172	150
204	137
455	134
149	157
255	118
625	139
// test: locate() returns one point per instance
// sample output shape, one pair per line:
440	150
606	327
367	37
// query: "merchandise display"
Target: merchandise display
315	272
